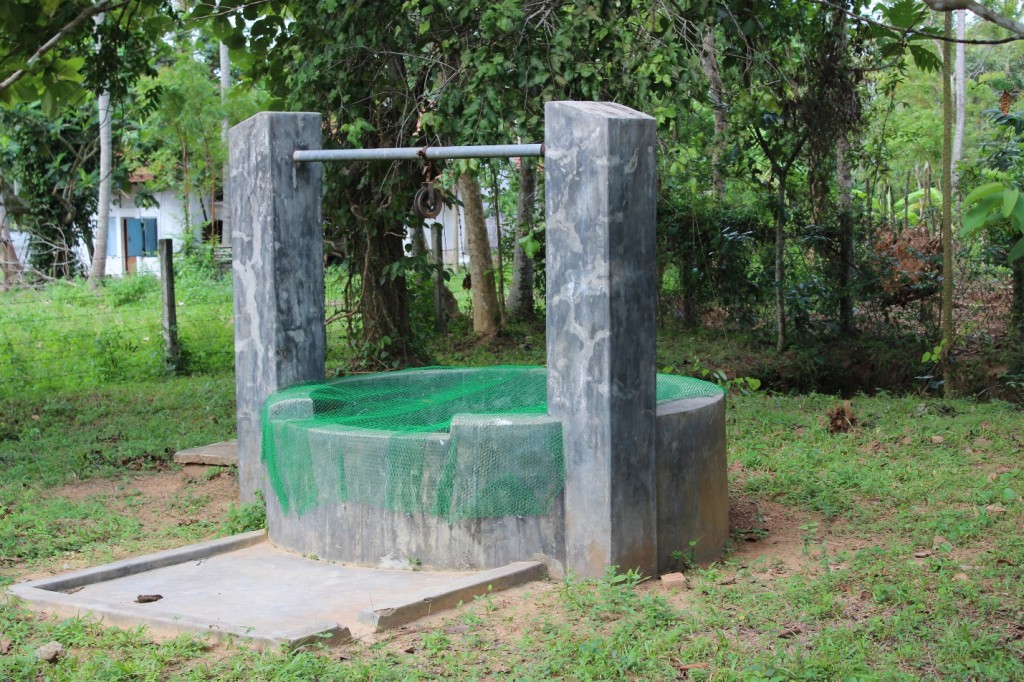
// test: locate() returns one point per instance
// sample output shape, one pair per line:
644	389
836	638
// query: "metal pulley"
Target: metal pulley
428	201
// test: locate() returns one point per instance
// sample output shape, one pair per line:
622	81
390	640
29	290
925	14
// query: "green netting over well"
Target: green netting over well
452	442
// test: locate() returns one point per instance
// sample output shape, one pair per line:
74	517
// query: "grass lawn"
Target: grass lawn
889	552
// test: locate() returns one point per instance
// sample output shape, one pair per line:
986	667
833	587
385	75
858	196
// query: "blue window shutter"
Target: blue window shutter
112	238
133	228
149	236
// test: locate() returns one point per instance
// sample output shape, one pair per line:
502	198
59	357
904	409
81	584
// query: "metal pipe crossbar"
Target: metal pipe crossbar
484	151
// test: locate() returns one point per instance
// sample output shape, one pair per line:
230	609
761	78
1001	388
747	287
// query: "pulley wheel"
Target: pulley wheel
428	201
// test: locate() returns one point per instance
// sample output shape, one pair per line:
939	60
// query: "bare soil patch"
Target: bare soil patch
159	501
156	500
782	539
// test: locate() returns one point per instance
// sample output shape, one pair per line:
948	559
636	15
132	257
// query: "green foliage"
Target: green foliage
857	509
992	203
113	335
56	52
124	291
695	368
176	136
34	527
54	163
246	516
712	254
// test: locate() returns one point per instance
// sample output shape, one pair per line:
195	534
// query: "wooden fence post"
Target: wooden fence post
165	250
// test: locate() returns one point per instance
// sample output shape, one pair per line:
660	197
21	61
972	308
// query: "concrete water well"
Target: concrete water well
592	464
642	480
458	468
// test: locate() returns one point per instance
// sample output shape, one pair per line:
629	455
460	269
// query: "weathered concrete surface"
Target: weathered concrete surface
277	264
222	454
363	534
692	497
246	589
693	480
395	612
482	495
601	178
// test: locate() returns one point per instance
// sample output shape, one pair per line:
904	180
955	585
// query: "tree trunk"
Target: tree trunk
960	79
10	267
385	298
844	181
457	261
225	125
716	93
98	268
1017	305
99	252
486	315
520	295
780	266
499	233
948	387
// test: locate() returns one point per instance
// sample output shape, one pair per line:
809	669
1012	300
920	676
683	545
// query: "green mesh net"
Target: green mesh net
452	442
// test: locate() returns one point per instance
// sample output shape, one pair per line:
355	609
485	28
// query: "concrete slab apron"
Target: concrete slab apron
224	453
243	587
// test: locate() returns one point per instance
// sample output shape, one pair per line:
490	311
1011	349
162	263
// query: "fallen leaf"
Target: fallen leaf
961	577
995	509
1005	562
907	440
148	598
938	439
5	646
791	631
683	667
993	476
410	650
841	418
1017	633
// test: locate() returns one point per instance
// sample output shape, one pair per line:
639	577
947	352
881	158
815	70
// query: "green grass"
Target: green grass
859	604
49	437
903	536
66	335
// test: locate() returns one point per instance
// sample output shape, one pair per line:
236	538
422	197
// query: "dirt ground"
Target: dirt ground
768	541
158	501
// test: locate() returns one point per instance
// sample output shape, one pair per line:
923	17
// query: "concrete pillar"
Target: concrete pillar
601	179
277	263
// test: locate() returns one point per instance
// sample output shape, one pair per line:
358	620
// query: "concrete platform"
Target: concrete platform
216	454
244	588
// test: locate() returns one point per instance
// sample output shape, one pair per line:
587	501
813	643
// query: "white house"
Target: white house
133	231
